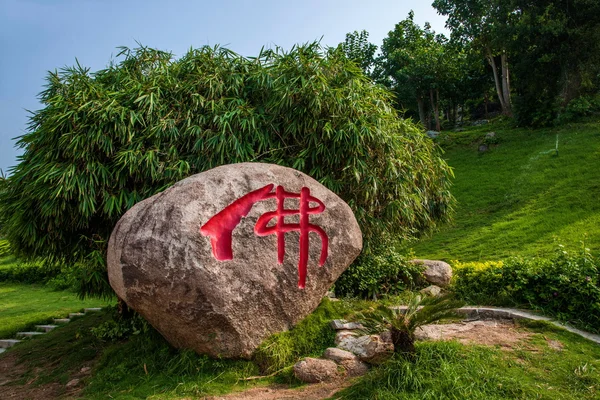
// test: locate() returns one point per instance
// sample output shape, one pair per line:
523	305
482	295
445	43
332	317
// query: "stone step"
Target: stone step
28	334
61	320
6	343
45	328
2	350
93	309
76	314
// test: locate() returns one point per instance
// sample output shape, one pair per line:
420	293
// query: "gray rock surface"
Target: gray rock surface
436	272
314	370
341	324
338	355
354	367
372	349
431	290
165	268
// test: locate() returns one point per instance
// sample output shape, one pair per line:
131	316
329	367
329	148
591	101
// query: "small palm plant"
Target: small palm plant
403	321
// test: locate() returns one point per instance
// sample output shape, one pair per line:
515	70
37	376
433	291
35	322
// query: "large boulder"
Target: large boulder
211	267
436	272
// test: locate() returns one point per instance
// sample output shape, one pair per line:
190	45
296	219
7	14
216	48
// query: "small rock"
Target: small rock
483	148
85	370
314	370
371	349
355	367
490	135
433	291
480	122
432	134
340	324
436	272
73	383
343	336
338	355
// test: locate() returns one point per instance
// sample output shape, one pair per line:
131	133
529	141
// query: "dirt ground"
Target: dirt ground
485	332
11	373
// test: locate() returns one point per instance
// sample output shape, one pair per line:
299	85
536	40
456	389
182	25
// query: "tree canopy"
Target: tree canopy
105	140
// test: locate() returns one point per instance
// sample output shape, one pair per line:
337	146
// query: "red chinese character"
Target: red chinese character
220	227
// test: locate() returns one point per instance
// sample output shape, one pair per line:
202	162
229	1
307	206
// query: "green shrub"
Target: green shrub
4	248
382	271
120	327
566	286
310	337
106	140
30	272
580	107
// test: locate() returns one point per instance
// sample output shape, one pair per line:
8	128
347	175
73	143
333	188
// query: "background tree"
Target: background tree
418	66
485	25
358	49
106	140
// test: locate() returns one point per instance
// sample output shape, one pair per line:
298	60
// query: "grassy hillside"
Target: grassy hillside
520	197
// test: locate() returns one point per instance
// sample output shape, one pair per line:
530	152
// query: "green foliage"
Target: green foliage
106	140
566	286
23	306
450	370
310	337
4	248
383	271
402	323
120	327
422	67
29	272
358	49
580	107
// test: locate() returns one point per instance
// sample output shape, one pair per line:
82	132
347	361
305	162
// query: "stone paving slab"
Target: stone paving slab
92	309
28	334
61	320
513	313
46	328
6	343
76	314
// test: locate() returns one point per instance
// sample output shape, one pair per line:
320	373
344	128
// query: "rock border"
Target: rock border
472	312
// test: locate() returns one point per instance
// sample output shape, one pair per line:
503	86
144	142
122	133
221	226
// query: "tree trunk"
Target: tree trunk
435	108
485	102
492	63
404	342
506	83
421	107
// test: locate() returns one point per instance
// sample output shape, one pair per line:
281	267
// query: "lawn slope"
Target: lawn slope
520	197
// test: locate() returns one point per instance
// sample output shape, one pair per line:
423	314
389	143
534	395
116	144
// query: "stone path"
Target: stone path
41	329
513	313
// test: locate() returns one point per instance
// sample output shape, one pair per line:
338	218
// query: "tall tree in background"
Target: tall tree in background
358	49
485	25
558	43
418	66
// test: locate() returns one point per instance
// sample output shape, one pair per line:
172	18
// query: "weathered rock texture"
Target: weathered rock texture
163	267
437	272
314	370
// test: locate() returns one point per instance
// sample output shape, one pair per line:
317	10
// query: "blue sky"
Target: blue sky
41	35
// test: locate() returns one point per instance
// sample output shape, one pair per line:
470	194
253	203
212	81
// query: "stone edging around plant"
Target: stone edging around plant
513	313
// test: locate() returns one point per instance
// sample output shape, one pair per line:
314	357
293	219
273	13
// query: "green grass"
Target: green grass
23	306
449	370
520	198
8	262
146	366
